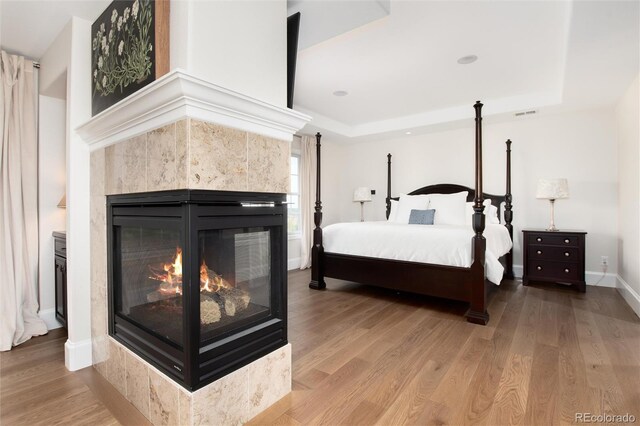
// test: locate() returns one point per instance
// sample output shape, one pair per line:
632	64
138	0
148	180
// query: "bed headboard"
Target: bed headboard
452	188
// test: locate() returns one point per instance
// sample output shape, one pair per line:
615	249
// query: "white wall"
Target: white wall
628	115
240	45
580	146
51	188
70	54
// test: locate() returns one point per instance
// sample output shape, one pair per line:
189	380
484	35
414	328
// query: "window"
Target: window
293	198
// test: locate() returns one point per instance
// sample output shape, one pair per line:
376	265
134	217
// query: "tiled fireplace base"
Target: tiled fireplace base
232	400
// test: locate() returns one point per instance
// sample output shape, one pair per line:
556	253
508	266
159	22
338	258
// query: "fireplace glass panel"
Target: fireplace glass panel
235	278
150	261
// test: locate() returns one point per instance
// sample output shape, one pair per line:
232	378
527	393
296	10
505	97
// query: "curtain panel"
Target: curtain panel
307	197
19	319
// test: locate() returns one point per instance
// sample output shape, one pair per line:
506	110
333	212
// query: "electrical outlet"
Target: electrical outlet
604	260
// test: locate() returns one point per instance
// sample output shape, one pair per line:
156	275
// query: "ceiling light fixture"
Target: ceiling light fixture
340	93
407	133
469	59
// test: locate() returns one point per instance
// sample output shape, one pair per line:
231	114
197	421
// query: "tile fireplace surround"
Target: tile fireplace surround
184	133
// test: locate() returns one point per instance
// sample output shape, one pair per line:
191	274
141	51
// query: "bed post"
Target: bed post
508	214
477	312
317	250
388	199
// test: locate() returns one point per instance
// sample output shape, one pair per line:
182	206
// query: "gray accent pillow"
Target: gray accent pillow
422	217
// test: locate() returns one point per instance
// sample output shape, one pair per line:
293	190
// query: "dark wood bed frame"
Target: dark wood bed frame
449	282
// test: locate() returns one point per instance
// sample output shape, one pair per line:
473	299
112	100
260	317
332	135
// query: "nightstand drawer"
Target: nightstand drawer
555	270
555	240
560	254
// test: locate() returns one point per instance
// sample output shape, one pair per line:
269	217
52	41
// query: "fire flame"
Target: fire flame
211	284
170	277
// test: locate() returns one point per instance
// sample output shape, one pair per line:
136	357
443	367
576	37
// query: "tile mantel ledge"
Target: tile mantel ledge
178	95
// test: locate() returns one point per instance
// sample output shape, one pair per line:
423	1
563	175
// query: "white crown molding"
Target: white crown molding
179	95
422	122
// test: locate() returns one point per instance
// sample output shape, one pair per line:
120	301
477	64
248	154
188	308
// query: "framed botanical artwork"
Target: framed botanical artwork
129	49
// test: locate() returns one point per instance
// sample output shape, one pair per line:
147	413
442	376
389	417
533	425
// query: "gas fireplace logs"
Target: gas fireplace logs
217	294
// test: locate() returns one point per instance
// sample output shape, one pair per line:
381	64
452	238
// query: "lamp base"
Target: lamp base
552	225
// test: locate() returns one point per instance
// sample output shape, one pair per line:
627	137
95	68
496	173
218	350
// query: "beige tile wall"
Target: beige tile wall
196	155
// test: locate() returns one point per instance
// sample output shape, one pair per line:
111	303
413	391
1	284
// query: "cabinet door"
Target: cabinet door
61	289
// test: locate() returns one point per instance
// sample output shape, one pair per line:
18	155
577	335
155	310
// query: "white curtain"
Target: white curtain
307	197
19	319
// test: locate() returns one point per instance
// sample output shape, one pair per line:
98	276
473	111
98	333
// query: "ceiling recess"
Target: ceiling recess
469	59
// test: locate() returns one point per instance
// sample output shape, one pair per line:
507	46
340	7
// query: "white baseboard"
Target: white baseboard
293	264
49	318
517	271
628	294
592	278
77	355
599	279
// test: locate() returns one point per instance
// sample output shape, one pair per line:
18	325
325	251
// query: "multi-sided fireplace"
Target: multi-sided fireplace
197	279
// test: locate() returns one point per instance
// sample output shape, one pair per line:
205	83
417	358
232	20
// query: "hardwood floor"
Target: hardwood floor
37	389
363	355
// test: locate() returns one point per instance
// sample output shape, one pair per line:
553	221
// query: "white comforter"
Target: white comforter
435	244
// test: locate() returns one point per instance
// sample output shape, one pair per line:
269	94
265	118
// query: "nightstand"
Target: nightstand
554	256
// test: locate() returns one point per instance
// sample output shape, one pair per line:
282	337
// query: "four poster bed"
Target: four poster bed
468	284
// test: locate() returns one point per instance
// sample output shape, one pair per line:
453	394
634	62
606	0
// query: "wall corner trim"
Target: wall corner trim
77	355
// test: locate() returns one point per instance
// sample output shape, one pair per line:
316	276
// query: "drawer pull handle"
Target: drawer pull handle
539	252
539	268
539	239
566	271
566	240
566	253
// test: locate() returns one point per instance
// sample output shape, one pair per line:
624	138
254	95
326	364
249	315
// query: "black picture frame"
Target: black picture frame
129	49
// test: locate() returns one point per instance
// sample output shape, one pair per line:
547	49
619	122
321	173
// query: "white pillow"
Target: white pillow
394	211
450	208
493	212
408	203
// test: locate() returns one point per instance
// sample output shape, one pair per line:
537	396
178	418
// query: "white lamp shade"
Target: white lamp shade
362	194
63	202
552	189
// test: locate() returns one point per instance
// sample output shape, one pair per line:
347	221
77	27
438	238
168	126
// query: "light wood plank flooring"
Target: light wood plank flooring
364	356
37	389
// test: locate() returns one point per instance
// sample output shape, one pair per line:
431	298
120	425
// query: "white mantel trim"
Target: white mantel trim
178	95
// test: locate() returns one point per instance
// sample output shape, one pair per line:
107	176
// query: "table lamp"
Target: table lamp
362	195
552	190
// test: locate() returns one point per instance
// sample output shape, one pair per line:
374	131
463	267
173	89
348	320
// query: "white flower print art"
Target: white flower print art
122	50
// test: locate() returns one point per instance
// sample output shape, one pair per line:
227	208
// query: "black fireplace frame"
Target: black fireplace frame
200	363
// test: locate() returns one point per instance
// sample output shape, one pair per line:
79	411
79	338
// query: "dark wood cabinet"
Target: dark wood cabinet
557	256
60	262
